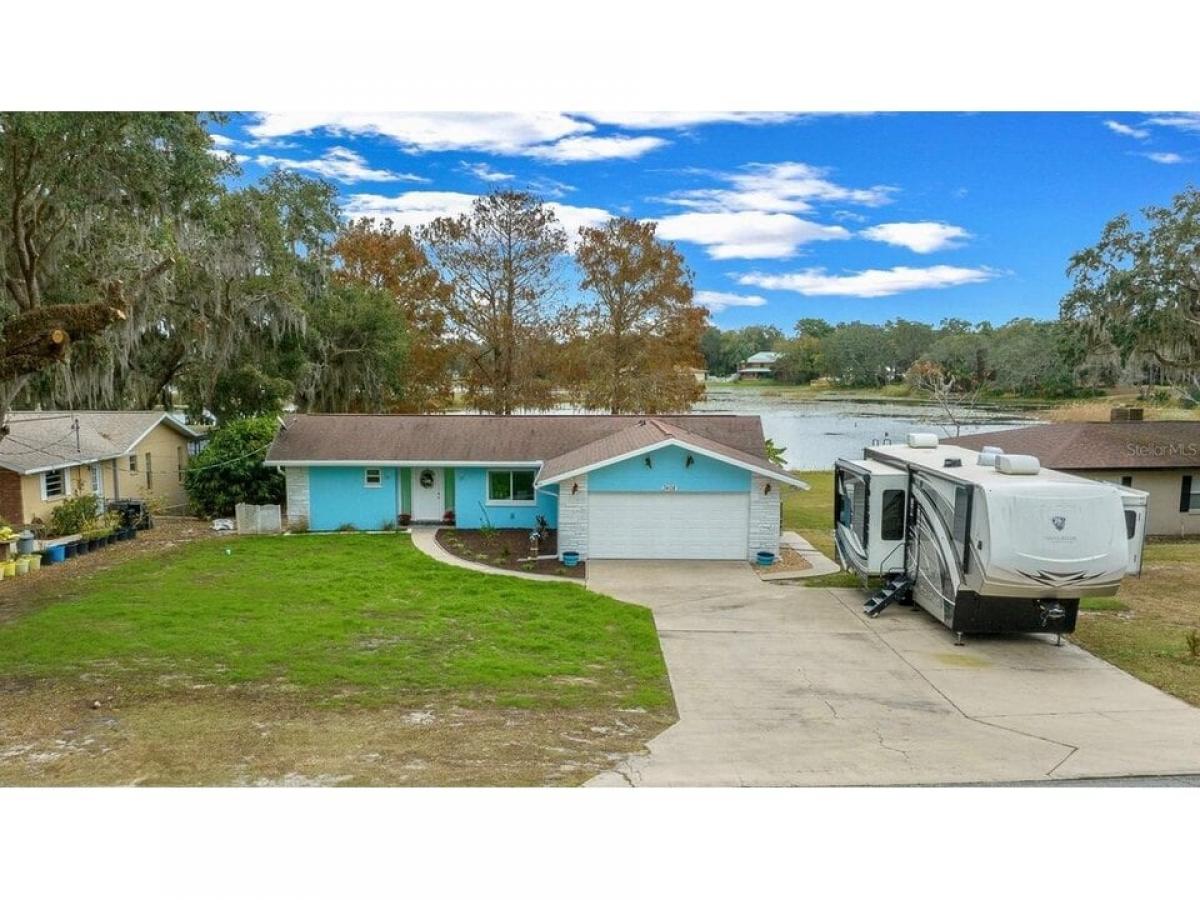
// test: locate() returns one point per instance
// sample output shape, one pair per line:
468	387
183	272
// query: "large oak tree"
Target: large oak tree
1138	290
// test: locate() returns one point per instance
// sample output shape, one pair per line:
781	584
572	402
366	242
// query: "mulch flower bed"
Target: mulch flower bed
503	547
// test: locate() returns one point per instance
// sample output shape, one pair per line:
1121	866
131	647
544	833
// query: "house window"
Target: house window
1126	481
54	484
149	474
97	481
510	486
372	478
1194	495
133	463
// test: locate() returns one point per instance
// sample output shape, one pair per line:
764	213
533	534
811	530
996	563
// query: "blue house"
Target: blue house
614	487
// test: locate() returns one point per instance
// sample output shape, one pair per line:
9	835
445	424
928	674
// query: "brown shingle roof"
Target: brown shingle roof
1099	445
384	438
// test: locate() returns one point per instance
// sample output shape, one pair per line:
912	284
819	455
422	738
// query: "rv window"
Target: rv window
858	517
891	524
1130	524
962	500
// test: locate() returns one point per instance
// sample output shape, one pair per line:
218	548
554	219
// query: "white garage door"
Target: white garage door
668	526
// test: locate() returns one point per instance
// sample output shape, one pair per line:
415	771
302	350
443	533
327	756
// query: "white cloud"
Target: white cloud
587	149
1167	159
746	235
868	283
220	140
339	163
777	187
645	120
572	218
1184	121
919	237
411	208
719	301
422	131
1127	130
484	172
417	208
556	137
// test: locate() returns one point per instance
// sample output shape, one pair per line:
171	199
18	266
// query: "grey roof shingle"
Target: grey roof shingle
531	439
1099	445
42	440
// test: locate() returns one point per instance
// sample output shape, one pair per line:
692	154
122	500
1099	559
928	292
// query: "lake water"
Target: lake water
816	432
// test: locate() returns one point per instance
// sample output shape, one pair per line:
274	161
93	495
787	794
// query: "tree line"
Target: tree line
124	244
1022	357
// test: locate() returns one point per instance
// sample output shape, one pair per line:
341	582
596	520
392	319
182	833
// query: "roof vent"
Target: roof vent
1017	464
952	462
922	441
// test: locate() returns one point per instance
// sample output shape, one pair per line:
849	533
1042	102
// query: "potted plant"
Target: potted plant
405	519
448	517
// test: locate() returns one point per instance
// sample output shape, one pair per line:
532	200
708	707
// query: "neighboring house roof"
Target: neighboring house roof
764	357
38	441
1099	445
650	434
533	440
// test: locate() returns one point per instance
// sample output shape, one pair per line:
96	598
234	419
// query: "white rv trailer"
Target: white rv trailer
985	542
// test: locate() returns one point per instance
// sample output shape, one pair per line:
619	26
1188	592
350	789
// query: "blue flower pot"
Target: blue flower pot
764	557
570	559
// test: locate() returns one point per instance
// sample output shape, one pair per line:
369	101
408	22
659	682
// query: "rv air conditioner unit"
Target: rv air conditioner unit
993	450
922	441
1017	464
986	459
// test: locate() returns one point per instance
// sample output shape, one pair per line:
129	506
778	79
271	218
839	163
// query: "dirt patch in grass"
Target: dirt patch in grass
507	548
213	736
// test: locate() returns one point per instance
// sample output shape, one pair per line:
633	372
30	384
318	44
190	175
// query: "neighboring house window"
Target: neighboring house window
373	478
97	481
133	463
1189	496
1126	481
510	486
54	484
179	459
149	474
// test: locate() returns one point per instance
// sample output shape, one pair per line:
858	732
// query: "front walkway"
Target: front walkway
786	685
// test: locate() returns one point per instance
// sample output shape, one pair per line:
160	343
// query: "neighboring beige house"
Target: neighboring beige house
1161	458
49	456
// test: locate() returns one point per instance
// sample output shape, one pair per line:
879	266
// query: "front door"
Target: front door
428	495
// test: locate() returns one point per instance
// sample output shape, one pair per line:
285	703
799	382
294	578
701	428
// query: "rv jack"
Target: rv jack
896	590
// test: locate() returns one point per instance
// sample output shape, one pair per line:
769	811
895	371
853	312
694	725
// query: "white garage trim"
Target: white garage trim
668	525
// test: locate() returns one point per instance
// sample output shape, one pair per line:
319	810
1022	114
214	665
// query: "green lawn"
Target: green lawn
810	514
341	619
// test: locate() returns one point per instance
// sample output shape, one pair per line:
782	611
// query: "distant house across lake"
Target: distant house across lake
760	365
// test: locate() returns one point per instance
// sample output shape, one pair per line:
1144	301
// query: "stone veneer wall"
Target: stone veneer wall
296	479
573	516
764	515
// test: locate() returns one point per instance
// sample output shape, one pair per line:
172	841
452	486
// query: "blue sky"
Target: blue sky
868	217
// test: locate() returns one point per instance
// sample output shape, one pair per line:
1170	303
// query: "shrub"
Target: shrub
230	470
73	515
1193	642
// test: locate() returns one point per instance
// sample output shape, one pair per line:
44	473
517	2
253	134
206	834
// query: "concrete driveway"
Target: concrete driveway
784	685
